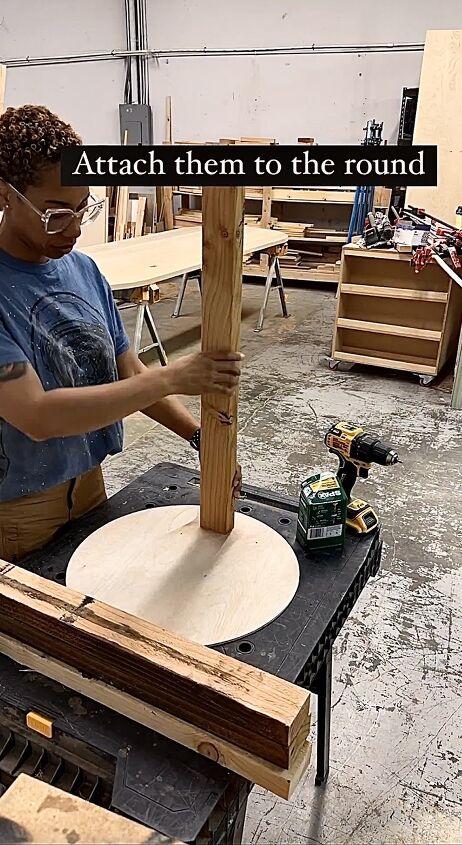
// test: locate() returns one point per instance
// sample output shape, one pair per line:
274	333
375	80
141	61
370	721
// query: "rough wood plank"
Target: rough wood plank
167	201
265	222
439	121
121	212
250	709
295	274
140	212
223	224
254	140
35	812
280	781
2	87
266	207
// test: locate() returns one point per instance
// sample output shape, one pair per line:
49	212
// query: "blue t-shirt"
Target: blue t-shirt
61	318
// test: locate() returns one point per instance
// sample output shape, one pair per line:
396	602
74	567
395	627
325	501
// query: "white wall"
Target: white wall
329	97
87	95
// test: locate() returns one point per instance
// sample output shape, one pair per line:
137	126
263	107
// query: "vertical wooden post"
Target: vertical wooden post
222	234
265	221
2	87
167	199
167	192
266	207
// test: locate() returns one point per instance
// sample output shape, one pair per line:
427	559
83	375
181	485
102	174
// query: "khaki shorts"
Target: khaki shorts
28	523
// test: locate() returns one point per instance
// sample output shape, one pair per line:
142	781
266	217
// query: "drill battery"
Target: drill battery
322	512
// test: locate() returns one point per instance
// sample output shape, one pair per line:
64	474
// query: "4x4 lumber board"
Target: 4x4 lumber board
280	781
439	121
222	251
248	708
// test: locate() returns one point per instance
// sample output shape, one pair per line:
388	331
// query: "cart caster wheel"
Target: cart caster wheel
425	381
342	366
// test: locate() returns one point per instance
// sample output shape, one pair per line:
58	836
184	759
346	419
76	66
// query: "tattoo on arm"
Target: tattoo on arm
10	372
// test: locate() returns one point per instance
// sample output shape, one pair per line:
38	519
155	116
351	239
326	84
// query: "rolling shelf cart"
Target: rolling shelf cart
389	316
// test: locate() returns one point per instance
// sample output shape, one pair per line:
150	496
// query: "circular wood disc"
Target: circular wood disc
159	565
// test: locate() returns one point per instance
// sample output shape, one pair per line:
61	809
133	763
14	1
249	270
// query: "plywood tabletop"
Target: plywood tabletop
157	258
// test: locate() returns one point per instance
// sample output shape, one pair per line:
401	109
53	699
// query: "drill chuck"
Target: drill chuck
371	450
352	443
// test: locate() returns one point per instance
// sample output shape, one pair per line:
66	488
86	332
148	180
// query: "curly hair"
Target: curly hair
31	139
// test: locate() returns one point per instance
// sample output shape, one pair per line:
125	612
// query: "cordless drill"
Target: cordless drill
357	451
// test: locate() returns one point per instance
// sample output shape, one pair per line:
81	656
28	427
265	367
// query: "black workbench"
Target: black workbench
128	767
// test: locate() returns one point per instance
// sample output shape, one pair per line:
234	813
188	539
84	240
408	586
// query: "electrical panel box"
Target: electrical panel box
136	121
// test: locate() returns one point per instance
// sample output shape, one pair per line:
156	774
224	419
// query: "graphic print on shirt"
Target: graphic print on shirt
4	459
72	347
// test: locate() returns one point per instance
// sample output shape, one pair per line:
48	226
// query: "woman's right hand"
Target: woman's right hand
211	372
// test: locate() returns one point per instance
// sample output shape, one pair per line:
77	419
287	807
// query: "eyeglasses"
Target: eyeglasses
56	220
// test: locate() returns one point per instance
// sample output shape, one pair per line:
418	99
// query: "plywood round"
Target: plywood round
159	565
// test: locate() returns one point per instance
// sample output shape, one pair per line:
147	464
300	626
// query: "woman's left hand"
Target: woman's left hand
237	482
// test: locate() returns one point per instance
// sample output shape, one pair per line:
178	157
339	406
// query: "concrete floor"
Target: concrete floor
396	756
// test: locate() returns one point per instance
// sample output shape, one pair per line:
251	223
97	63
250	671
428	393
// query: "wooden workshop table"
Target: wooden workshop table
119	763
136	263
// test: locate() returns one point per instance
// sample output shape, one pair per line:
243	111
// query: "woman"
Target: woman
67	373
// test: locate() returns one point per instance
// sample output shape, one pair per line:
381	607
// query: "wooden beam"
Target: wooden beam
2	87
222	232
121	213
254	140
167	192
140	212
266	207
167	211
250	709
280	781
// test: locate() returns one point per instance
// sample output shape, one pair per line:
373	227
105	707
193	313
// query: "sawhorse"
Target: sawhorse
139	298
273	281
